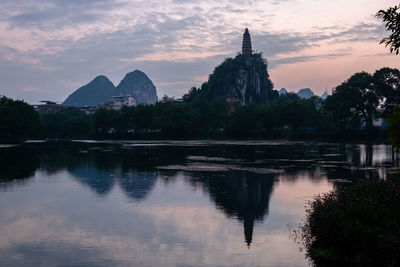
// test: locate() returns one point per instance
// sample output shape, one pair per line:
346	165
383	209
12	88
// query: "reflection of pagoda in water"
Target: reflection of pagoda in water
242	195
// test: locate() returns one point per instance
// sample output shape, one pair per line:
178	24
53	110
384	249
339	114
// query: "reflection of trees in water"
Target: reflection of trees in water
241	195
17	165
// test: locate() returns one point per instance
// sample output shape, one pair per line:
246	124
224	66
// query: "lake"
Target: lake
169	203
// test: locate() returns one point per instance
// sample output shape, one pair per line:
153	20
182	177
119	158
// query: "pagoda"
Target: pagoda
246	45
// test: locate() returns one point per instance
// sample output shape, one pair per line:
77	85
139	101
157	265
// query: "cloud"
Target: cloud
296	59
58	13
56	45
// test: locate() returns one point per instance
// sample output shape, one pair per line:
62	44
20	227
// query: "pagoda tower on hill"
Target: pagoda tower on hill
246	45
243	79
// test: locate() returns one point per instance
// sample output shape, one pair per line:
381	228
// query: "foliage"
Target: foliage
246	121
18	120
387	82
70	123
394	128
391	18
340	107
106	121
358	96
364	97
355	226
194	117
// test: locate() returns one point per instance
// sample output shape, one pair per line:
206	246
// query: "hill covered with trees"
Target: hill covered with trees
243	79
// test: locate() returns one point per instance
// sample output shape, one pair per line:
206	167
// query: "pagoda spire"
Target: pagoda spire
246	45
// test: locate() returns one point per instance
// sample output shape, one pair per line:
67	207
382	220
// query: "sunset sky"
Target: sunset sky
49	48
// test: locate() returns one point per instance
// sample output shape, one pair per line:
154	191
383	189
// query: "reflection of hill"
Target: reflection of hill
242	195
137	184
100	167
100	181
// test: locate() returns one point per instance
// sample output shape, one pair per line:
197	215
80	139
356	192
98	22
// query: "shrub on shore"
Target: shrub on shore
355	226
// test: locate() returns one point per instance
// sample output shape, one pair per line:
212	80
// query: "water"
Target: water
197	203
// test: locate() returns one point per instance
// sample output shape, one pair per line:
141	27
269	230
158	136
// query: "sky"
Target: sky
50	48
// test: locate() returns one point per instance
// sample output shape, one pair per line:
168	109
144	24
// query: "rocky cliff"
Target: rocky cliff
94	93
242	79
138	85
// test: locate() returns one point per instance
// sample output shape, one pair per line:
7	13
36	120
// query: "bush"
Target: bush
355	226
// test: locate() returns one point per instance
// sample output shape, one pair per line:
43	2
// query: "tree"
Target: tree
245	121
341	111
394	128
175	119
69	123
391	18
144	117
106	121
18	120
356	96
387	82
77	127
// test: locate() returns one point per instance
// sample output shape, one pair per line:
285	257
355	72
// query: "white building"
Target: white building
117	102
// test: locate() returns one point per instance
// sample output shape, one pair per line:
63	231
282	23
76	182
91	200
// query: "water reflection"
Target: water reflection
240	195
17	166
238	179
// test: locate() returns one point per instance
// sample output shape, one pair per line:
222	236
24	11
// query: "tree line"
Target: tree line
349	112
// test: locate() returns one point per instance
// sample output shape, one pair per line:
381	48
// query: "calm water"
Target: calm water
169	203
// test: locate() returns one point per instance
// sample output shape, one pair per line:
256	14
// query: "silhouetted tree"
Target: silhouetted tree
69	123
358	95
340	108
175	120
18	120
391	18
106	121
394	128
245	121
387	81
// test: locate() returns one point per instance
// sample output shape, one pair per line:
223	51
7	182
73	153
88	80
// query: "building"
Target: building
49	107
117	102
246	45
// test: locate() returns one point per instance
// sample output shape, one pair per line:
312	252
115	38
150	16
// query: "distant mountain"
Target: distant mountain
99	91
305	93
324	95
94	93
138	85
283	91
